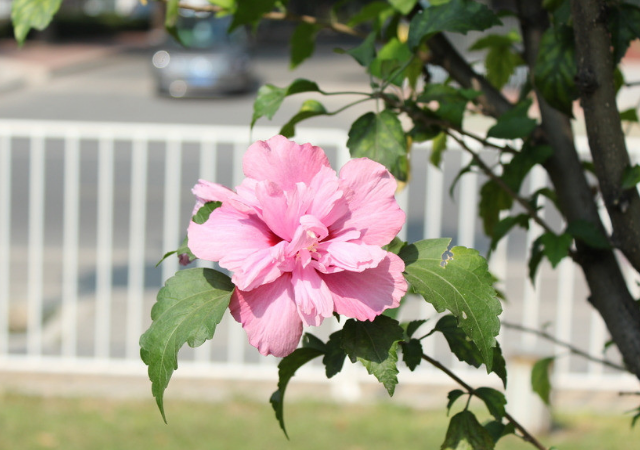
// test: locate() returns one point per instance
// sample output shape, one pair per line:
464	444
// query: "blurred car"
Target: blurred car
208	61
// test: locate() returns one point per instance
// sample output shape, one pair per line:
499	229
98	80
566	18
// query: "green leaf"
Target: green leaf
556	68
404	6
365	52
249	12
182	250
411	327
461	283
438	146
498	429
504	226
494	400
189	307
540	379
395	245
205	211
171	17
461	346
624	24
311	341
629	115
630	177
514	124
309	109
380	137
493	199
452	102
286	370
270	97
535	259
499	364
389	60
28	14
375	345
589	233
466	433
378	11
556	247
453	396
303	43
501	60
412	353
334	357
460	16
635	417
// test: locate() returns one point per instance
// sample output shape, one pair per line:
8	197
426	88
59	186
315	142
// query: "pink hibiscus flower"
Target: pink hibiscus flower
302	243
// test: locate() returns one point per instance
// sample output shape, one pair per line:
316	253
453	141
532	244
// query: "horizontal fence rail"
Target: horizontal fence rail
88	209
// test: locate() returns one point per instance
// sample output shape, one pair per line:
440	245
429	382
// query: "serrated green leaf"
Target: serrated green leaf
380	137
624	24
309	109
589	233
249	12
188	308
540	382
453	396
462	347
411	327
459	16
334	357
28	14
366	51
412	353
630	177
494	400
205	211
286	370
403	6
556	68
270	97
462	284
499	364
370	341
556	247
386	371
438	147
514	124
466	433
303	43
629	115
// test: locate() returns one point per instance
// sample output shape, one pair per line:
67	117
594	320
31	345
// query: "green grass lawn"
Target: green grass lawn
95	424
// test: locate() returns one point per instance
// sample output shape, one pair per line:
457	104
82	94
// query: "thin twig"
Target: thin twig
628	393
566	345
632	84
525	434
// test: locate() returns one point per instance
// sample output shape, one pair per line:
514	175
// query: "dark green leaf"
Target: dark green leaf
189	307
205	211
629	115
514	124
303	43
452	102
309	109
493	199
412	353
466	433
249	12
453	396
393	56
540	379
498	430
461	283
380	137
460	16
411	327
386	371
334	357
556	68
535	258
438	146
505	225
624	24
556	247
376	11
28	14
270	97
421	132
404	6
461	346
310	341
395	245
365	52
499	364
370	341
589	233
630	177
286	370
501	59
636	416
494	400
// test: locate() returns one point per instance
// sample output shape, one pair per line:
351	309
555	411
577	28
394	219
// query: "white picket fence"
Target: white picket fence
87	210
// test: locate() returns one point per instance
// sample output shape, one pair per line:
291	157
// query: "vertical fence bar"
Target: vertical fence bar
70	245
137	239
104	261
172	194
597	339
36	230
564	314
5	237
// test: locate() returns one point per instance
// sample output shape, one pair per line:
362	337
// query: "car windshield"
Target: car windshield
202	30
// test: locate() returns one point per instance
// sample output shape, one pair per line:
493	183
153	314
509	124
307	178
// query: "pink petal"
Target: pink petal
284	162
365	295
230	237
351	256
262	267
269	316
281	211
328	202
374	210
313	297
206	191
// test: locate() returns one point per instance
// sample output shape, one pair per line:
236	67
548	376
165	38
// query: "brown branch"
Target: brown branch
528	437
566	345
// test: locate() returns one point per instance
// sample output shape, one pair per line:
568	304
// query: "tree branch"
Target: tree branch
525	434
566	345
